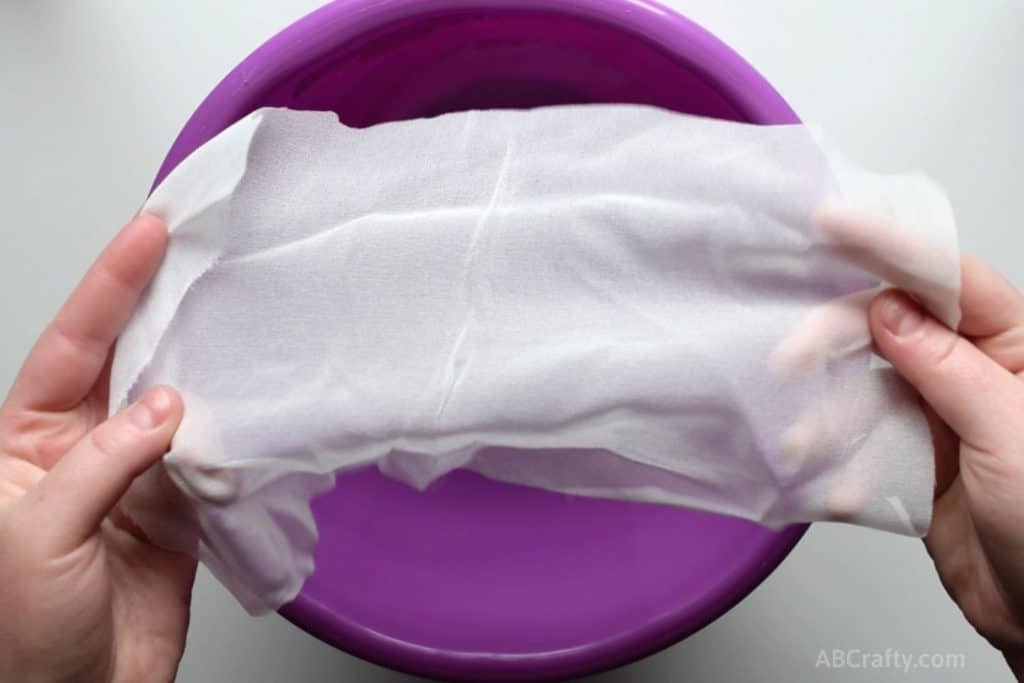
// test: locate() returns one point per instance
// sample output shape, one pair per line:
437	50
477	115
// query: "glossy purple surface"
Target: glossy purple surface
474	579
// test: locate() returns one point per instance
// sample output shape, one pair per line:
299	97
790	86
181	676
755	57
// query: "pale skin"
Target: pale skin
83	595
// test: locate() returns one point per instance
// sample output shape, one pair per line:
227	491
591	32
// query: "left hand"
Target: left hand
83	595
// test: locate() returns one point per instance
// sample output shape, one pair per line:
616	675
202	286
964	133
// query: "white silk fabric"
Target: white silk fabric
633	303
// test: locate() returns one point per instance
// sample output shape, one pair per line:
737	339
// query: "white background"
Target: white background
93	92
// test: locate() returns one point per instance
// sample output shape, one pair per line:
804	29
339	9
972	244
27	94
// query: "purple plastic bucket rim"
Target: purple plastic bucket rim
735	79
331	25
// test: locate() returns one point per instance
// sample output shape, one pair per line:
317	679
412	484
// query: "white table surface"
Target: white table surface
93	92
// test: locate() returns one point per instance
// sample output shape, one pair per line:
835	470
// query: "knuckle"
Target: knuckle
77	344
124	278
110	440
39	437
942	348
994	471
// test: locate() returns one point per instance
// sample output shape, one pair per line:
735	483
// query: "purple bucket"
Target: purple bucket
474	579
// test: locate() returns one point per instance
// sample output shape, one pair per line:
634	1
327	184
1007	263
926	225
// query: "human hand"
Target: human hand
83	596
973	398
972	380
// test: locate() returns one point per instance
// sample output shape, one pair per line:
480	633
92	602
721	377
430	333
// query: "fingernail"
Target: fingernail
152	410
900	317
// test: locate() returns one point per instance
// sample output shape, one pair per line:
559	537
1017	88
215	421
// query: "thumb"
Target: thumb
84	485
978	398
981	401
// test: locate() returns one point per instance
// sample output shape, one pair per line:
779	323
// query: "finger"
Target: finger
840	442
849	407
993	313
832	329
836	419
76	495
923	266
991	305
70	354
973	394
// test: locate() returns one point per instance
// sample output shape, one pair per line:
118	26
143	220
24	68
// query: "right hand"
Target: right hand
972	380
